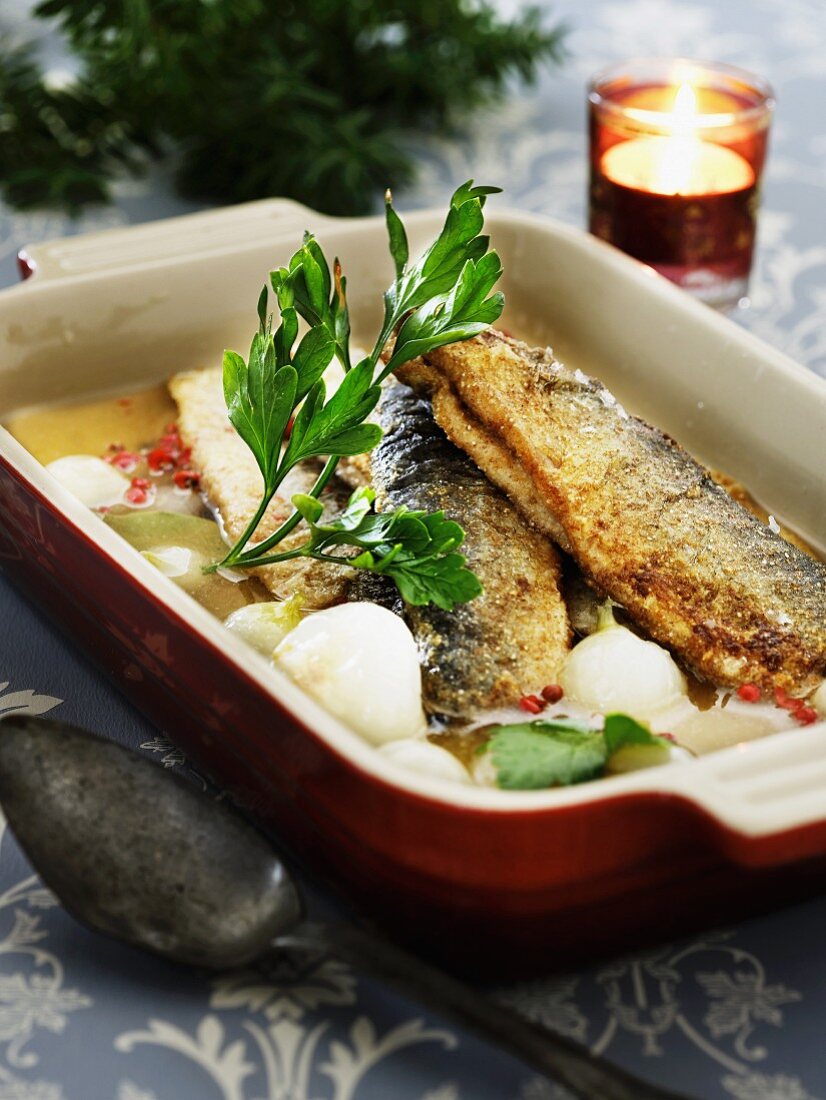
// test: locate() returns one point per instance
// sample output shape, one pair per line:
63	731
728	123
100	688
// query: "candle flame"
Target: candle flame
677	167
685	102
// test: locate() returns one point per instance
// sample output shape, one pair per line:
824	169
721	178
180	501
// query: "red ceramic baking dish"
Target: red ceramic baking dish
515	878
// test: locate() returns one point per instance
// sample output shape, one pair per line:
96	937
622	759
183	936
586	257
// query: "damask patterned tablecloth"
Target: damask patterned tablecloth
737	1013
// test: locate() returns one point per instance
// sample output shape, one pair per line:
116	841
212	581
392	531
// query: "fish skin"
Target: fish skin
644	521
513	638
233	485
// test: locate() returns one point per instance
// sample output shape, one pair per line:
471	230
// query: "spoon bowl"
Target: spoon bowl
138	853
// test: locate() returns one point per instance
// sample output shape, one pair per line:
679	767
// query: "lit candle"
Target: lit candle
680	164
676	154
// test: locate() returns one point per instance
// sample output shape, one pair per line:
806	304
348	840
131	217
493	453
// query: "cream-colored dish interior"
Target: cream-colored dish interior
102	316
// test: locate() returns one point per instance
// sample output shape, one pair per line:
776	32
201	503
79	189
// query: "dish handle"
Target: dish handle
763	800
196	234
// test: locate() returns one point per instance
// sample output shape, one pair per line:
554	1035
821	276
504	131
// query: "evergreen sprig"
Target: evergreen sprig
308	99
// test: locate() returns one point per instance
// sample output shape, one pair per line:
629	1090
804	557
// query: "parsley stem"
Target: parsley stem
319	556
251	556
234	556
343	355
385	334
303	551
272	559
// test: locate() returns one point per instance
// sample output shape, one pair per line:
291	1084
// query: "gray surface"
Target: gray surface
738	1014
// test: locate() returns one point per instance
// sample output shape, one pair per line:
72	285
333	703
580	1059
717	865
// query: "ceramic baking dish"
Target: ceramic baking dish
554	874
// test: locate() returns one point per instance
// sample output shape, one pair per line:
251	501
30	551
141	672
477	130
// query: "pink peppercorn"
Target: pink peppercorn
136	496
161	459
806	716
123	460
187	479
749	693
531	704
786	701
552	693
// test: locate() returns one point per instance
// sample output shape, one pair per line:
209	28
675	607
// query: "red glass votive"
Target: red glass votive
677	153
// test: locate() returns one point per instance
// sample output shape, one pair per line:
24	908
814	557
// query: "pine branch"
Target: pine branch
310	100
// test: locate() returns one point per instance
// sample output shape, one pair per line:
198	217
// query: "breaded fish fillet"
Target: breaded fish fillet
643	520
513	638
233	485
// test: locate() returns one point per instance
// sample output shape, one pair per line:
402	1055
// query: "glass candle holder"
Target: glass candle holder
677	152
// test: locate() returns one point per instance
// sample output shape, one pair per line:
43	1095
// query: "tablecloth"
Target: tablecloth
732	1013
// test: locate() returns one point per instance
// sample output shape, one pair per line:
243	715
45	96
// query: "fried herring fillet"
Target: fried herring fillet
648	525
513	638
233	485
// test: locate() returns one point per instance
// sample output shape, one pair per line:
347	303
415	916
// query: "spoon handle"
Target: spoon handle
586	1075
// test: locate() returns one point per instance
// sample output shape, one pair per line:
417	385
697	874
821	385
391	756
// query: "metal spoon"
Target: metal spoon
135	852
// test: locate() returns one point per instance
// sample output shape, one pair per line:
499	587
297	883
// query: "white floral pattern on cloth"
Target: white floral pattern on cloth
643	999
757	1086
295	984
742	999
33	995
14	1088
172	757
24	702
284	1042
551	1004
287	1053
127	1090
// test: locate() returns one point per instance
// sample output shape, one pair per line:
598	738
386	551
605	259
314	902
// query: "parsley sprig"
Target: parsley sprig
277	399
559	752
417	550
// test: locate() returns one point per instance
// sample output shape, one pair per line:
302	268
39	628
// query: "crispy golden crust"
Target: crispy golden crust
741	494
644	521
233	485
513	638
354	470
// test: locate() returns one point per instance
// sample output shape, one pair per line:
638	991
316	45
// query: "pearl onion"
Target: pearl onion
265	625
419	755
94	482
615	670
359	661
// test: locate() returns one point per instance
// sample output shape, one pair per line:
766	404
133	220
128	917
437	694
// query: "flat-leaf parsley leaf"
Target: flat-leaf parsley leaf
535	755
549	753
